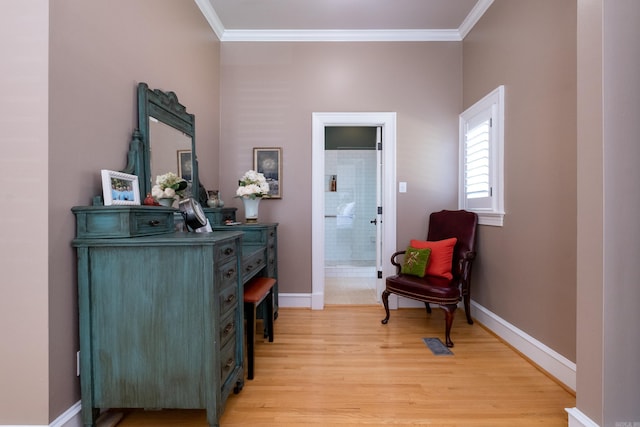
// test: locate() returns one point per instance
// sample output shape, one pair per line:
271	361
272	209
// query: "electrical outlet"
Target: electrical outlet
78	364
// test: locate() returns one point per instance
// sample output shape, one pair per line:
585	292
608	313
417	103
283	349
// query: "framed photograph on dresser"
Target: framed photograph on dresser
268	161
119	188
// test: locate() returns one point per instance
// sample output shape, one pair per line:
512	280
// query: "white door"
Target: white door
380	212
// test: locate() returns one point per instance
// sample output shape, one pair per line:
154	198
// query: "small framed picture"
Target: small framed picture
185	170
119	188
268	161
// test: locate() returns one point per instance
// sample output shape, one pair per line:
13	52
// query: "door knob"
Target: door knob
374	221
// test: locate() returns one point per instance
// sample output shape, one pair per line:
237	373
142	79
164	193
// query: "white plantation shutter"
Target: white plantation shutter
477	162
481	159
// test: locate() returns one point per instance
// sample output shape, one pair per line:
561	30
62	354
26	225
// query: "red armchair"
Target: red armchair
435	289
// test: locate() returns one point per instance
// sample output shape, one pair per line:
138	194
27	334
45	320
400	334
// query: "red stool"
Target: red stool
255	291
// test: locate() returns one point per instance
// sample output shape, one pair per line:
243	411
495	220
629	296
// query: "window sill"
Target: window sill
495	219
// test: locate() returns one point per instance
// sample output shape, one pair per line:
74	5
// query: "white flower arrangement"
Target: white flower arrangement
169	186
252	184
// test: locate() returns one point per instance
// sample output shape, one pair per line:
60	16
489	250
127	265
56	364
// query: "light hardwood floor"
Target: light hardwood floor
340	367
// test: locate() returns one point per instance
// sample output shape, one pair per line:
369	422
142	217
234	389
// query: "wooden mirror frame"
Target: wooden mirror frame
165	107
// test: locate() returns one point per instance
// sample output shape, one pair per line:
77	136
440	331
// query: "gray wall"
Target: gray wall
98	51
72	113
621	290
270	90
526	270
608	343
24	291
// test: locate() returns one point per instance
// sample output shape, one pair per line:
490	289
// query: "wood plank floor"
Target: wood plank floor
340	367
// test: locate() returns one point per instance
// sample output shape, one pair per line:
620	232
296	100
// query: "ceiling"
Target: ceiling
342	20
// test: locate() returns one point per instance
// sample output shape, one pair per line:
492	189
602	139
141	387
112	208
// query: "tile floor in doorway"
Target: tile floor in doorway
350	285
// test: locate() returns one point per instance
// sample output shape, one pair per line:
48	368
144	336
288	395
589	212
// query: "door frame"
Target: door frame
386	120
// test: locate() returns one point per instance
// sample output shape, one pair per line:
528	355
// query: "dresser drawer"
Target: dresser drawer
122	221
227	250
253	262
254	236
271	238
272	266
228	279
219	216
227	360
228	328
228	273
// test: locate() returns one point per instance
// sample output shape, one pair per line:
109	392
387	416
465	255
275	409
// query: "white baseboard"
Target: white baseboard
69	418
552	362
578	419
295	300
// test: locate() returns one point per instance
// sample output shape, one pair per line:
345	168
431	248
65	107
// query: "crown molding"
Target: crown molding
339	35
211	16
225	35
473	17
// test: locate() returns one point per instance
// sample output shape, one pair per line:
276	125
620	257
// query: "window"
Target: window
481	158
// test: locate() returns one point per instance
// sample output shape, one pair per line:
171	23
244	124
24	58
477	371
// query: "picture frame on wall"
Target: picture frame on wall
268	161
119	188
185	170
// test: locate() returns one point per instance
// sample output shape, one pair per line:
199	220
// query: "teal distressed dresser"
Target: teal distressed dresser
259	253
259	246
161	313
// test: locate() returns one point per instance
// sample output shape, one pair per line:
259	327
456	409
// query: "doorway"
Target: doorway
383	216
350	218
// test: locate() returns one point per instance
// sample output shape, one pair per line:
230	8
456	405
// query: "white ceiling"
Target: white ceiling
342	20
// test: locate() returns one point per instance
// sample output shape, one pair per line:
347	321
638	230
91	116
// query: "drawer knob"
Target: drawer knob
228	329
230	273
229	363
230	298
228	251
154	222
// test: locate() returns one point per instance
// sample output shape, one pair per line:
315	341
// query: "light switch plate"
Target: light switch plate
402	187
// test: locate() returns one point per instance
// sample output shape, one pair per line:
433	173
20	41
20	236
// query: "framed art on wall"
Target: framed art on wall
268	161
119	188
184	164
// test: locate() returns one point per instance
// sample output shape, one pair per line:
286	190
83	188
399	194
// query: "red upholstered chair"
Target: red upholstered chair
437	289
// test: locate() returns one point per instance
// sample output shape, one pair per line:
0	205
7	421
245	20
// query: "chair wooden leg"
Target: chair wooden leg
426	304
385	302
449	311
467	308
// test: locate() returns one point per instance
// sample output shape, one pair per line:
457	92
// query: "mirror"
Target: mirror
164	141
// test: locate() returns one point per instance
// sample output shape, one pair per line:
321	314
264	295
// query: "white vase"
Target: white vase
251	208
166	201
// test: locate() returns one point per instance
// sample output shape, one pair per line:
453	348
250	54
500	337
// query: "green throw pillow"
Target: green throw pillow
415	261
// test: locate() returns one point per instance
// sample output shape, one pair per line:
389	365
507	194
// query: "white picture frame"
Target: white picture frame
119	188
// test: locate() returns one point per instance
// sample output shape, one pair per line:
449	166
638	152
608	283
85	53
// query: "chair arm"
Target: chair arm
395	262
469	256
464	266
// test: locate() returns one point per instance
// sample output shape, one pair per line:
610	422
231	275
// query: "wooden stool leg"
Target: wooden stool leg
250	311
269	315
